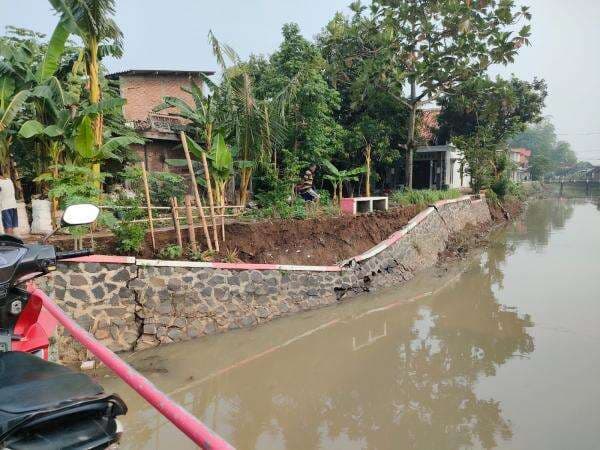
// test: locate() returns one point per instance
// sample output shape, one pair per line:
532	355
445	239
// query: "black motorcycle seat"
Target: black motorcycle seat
29	383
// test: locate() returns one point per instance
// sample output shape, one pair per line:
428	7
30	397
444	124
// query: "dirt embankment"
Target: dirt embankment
315	241
476	236
320	241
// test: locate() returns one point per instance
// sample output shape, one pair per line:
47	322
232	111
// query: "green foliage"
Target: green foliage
277	205
162	185
481	115
492	198
74	184
422	197
500	186
172	251
518	191
295	71
130	237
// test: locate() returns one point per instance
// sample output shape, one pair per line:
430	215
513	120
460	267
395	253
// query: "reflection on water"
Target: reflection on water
381	372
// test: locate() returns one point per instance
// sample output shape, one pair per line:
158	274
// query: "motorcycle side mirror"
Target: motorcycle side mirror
81	214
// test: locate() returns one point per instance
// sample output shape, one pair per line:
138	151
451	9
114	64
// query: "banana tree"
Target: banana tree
70	137
92	21
221	159
339	177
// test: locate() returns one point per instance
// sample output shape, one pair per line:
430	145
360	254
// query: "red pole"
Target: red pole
182	419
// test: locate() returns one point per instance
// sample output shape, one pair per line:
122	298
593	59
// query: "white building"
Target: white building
439	167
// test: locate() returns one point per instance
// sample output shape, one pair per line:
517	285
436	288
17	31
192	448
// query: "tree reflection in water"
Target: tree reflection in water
412	387
544	216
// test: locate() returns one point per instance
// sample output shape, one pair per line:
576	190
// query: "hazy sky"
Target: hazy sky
172	35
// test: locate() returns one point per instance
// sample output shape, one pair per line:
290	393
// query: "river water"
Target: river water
498	351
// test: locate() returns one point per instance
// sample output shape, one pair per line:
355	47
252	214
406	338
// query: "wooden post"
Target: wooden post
210	200
368	174
147	191
175	213
195	186
223	211
190	221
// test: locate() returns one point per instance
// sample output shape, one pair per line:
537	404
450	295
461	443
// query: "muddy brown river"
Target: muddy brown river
498	351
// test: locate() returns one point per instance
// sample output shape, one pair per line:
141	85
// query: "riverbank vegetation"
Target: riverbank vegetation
356	101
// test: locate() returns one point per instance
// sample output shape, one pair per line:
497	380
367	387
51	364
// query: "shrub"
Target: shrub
162	185
492	198
517	190
172	251
422	197
130	236
500	187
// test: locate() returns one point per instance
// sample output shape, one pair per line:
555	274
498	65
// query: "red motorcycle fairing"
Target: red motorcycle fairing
34	327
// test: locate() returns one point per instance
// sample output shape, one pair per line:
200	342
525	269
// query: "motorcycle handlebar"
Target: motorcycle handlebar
73	254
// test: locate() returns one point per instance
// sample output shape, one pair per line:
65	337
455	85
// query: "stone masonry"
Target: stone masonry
147	303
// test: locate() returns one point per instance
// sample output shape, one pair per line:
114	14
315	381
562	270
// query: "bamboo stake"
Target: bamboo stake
190	221
147	191
175	214
195	186
210	201
223	211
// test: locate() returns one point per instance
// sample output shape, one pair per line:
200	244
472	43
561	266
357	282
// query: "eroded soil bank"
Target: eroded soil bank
320	241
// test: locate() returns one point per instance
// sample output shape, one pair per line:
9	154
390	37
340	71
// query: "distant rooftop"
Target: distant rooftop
117	75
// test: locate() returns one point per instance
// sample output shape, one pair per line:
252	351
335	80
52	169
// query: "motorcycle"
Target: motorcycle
44	405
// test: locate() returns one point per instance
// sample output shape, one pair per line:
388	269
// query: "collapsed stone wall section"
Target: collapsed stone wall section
147	303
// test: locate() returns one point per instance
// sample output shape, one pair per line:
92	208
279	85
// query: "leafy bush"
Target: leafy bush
422	197
162	185
500	187
130	235
172	251
492	198
517	190
74	184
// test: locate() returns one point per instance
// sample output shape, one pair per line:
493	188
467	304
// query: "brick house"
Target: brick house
144	90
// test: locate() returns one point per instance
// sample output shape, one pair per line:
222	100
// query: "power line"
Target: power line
584	133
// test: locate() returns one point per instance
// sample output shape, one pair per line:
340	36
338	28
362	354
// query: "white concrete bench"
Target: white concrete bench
357	205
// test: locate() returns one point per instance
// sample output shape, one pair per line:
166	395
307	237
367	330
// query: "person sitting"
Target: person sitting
306	189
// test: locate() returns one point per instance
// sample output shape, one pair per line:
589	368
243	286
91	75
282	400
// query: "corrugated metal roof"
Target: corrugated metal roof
117	75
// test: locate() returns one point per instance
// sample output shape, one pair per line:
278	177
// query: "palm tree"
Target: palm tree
92	22
257	126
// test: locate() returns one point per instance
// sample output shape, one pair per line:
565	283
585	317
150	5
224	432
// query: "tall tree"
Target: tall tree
297	68
373	120
431	46
482	114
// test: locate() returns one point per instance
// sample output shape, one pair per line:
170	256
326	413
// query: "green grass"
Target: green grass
422	197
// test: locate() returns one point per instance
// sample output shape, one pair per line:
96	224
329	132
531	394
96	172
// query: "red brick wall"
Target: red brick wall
144	92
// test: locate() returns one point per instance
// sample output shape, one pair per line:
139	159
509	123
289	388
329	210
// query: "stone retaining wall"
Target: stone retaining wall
143	303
